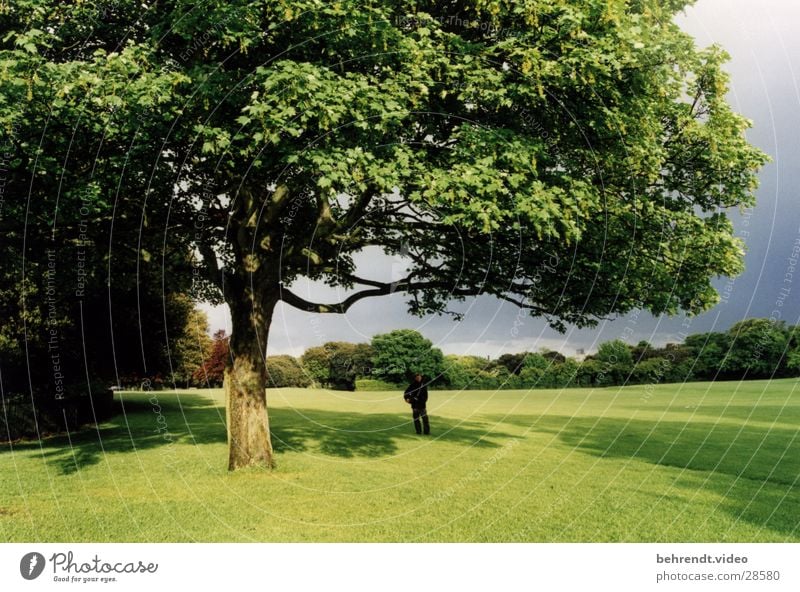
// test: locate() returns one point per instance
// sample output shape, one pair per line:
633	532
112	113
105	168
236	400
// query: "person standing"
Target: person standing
416	395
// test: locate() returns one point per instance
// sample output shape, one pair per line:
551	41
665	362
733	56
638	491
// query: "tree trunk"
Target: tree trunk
249	441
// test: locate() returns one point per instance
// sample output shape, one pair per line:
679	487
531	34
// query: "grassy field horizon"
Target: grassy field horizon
711	462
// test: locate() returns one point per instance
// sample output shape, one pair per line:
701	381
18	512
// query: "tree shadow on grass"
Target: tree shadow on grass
142	421
348	435
754	469
163	418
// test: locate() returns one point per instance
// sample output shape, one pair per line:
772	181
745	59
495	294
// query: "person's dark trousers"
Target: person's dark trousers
421	414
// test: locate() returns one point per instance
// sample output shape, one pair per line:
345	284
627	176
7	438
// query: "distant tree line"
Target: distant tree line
750	349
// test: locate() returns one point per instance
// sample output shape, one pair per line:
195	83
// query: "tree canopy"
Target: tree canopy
403	353
574	158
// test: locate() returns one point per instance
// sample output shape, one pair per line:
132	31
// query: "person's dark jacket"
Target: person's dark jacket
417	395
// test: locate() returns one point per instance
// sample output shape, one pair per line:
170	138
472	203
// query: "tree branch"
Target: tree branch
367	282
521	303
380	289
275	204
293	299
357	210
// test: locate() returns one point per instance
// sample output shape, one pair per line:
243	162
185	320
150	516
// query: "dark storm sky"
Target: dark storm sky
763	38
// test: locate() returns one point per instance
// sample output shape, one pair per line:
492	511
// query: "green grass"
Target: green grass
695	462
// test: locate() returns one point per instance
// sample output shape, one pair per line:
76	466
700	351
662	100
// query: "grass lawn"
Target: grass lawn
694	462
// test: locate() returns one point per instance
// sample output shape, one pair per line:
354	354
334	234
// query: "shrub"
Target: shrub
286	371
474	372
651	371
615	352
337	364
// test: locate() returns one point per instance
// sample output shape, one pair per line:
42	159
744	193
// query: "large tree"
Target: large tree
403	353
574	158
